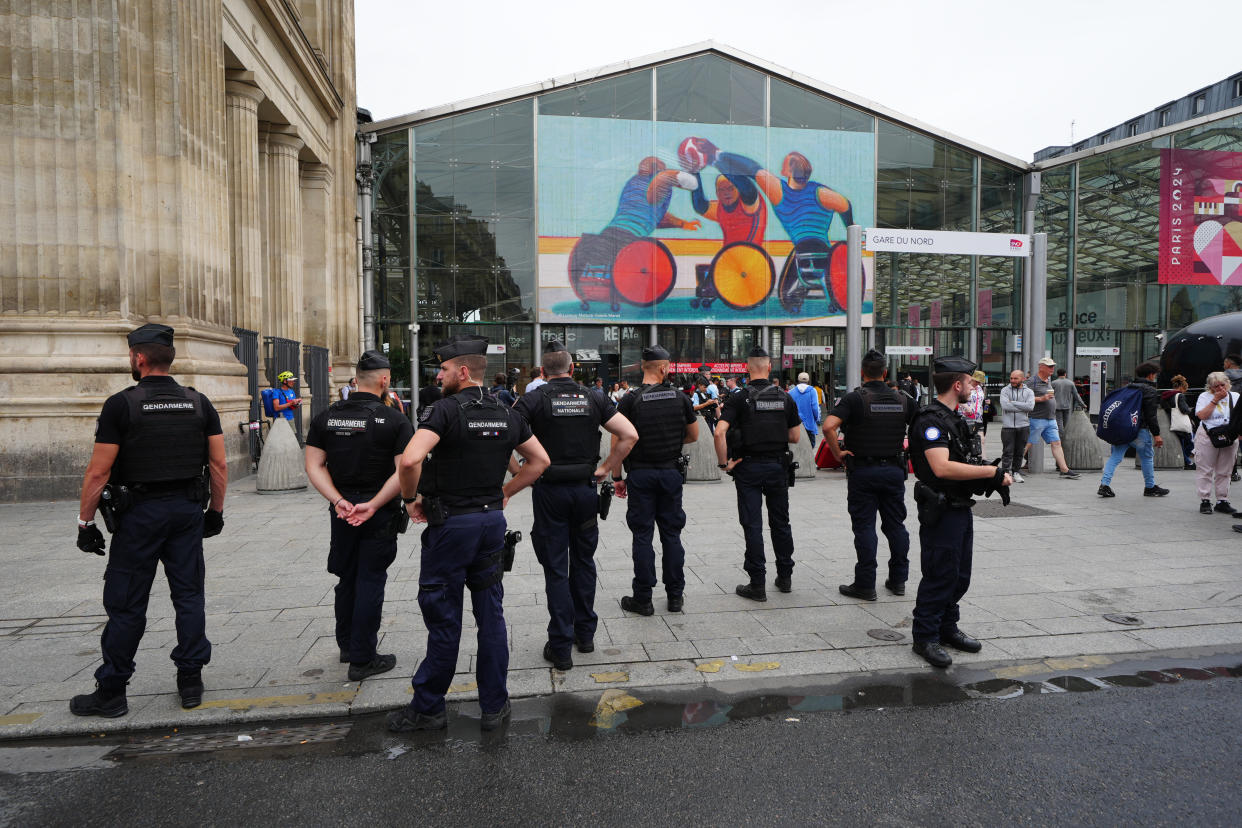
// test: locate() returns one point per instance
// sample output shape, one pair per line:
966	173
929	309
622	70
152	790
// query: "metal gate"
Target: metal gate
280	355
247	352
318	377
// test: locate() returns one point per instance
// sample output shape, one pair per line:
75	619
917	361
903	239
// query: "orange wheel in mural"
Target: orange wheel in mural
742	274
644	272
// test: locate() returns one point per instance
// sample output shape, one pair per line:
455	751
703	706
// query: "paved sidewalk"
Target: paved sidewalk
1042	584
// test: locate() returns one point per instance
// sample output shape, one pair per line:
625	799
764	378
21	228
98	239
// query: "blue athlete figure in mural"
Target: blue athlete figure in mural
622	263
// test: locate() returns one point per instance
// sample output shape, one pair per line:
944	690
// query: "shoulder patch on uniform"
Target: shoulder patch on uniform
426	415
931	433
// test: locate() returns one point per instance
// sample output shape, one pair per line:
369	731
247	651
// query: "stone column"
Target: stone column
242	99
283	234
318	223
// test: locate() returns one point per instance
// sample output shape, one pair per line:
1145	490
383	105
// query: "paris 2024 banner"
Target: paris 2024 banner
1200	217
643	221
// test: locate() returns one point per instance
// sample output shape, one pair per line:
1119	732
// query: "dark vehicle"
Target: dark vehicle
1199	348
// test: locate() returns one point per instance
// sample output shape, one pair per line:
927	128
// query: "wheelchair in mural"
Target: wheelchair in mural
611	269
741	275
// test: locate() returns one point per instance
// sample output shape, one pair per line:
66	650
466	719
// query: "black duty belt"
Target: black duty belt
879	461
454	511
640	464
163	488
764	458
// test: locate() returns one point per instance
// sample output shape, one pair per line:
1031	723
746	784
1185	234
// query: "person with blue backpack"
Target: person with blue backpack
1128	419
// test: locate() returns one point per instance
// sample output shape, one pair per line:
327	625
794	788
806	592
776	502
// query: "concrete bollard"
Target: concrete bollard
1083	449
282	468
804	456
703	455
1168	456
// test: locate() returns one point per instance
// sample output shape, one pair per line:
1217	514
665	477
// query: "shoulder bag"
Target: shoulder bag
1179	421
1222	436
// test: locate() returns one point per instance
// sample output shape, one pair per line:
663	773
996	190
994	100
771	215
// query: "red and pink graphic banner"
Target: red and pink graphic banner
1200	217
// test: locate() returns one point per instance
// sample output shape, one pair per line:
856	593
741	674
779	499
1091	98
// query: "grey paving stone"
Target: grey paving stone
670	650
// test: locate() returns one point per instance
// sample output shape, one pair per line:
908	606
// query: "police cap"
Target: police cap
953	365
553	346
151	334
654	353
461	345
757	352
372	361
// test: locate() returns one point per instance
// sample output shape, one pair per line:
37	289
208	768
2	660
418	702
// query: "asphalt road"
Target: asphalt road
1159	754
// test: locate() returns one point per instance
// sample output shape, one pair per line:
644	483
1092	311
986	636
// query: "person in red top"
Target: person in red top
738	208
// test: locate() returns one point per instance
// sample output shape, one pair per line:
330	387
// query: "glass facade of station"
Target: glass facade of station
463	204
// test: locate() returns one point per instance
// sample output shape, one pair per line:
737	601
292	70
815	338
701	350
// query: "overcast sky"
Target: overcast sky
1007	74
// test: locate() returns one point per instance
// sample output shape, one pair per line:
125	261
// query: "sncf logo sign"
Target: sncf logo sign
1015	244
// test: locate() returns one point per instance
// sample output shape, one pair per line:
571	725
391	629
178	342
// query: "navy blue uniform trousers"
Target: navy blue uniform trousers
654	498
879	488
166	530
756	483
946	553
464	549
565	535
360	557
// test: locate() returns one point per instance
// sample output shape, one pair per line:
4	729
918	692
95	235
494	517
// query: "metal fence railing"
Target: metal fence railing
318	377
281	355
247	352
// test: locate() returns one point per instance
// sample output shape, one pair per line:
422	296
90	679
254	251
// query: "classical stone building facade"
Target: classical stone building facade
189	162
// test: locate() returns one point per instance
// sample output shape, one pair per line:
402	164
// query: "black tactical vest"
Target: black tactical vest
355	462
658	417
948	422
881	429
470	464
764	431
166	439
568	428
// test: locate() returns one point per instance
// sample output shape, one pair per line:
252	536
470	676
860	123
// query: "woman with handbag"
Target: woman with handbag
1180	421
1215	444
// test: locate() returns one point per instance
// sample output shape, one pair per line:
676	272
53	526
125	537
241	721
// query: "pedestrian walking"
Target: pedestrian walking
159	450
1147	441
972	409
451	476
763	421
875	418
566	417
1066	397
1016	403
352	449
807	400
664	420
1043	419
942	453
1216	447
1181	418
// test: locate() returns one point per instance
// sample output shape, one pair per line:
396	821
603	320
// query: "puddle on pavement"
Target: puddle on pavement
576	716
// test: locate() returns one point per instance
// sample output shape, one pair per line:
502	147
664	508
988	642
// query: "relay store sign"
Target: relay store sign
879	240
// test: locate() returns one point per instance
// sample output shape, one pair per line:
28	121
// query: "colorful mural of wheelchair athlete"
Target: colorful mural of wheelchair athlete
622	263
739	275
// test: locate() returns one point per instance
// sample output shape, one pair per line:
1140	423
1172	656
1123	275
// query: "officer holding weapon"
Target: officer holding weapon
351	454
752	445
656	470
451	474
949	472
875	418
157	446
566	418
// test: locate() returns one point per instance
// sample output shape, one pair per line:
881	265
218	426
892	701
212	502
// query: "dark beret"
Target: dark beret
151	334
461	345
553	346
757	352
953	365
872	355
372	360
654	353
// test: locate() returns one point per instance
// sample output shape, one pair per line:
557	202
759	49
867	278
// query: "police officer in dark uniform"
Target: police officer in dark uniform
752	439
875	418
157	445
451	474
948	472
351	454
664	419
566	417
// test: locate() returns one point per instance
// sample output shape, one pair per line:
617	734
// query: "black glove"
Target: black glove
90	539
213	523
998	481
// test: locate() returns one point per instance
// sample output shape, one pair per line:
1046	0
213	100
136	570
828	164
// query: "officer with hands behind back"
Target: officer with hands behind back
948	472
451	477
566	417
351	458
875	418
156	444
752	439
664	419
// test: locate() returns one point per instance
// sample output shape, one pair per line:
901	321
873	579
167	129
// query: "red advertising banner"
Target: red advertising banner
914	315
985	308
933	312
1200	217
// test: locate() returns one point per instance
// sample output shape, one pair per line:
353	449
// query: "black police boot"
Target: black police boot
932	653
407	720
559	662
754	591
897	588
784	583
851	591
586	645
491	721
108	702
377	665
631	604
675	603
959	640
190	686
